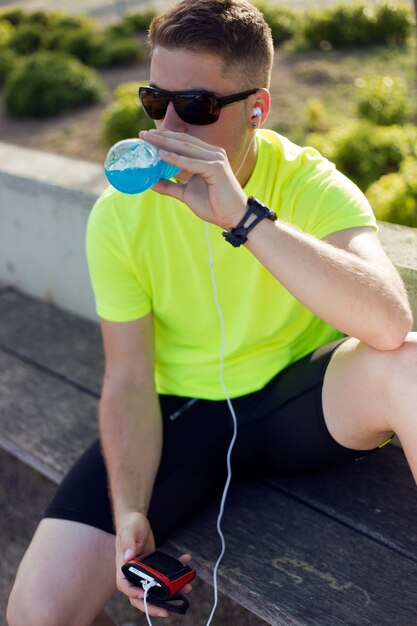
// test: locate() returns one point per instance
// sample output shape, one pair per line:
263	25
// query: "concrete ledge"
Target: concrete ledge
400	243
44	206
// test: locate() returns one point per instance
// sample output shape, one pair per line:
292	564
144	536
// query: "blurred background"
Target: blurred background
344	81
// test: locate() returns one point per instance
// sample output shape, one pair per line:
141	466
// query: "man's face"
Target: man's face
183	70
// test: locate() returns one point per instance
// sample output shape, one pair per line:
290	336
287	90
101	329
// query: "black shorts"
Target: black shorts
281	432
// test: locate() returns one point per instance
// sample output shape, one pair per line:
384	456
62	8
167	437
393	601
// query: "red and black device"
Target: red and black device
167	574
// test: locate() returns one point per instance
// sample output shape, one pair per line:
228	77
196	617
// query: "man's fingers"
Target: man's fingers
183	144
185	558
153	611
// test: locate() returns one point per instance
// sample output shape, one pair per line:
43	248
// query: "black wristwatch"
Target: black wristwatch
238	235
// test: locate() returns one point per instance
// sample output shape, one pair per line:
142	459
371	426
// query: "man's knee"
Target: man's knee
26	607
389	366
398	368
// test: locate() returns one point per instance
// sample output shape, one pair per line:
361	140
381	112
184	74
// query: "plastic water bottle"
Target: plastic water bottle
133	165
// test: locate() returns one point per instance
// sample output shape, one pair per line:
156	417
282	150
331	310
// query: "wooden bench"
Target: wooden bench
333	549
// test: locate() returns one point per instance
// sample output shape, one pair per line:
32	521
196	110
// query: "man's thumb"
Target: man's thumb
128	554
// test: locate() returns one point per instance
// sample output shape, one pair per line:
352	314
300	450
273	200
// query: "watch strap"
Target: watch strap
239	235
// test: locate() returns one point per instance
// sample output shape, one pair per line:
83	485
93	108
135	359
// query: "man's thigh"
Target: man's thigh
289	430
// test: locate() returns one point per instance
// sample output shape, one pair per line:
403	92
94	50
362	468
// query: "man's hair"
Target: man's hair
233	30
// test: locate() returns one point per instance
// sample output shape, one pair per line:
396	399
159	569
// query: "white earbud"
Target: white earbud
257	111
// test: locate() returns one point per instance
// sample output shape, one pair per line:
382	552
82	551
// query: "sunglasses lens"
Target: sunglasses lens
197	109
155	104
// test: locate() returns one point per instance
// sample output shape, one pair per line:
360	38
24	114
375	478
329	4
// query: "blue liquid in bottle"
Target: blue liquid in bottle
133	165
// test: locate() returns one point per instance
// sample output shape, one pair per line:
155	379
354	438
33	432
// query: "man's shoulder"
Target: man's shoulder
287	149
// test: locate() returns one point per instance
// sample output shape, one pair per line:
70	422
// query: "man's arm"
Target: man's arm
347	279
131	437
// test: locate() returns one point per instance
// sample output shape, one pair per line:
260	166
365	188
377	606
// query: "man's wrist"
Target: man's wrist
256	211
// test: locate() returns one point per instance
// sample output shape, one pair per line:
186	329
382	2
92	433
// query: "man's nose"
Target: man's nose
172	121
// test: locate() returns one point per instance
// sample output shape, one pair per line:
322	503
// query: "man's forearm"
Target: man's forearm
131	437
362	300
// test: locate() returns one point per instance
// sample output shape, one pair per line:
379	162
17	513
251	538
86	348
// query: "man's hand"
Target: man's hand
134	539
212	192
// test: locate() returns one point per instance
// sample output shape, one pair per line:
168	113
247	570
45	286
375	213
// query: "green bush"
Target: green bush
6	32
98	49
8	60
59	19
356	24
48	83
13	16
82	43
283	22
365	152
316	116
382	100
110	52
125	117
394	23
38	17
62	25
341	26
26	38
139	22
394	196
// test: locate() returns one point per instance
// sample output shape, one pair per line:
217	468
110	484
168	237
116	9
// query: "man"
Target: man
305	398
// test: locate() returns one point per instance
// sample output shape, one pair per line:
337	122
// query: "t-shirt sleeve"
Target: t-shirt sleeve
326	200
119	295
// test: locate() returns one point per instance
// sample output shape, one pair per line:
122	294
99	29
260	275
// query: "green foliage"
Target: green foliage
317	118
6	32
125	117
81	43
61	26
394	196
58	19
75	35
341	26
37	17
365	152
13	16
283	22
394	23
8	60
98	49
139	22
48	83
26	38
356	24
382	100
110	52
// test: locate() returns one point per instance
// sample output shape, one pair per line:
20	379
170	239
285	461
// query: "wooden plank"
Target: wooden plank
59	341
294	566
43	421
376	496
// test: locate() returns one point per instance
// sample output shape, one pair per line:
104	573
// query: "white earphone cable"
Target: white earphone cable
229	403
146	586
232	442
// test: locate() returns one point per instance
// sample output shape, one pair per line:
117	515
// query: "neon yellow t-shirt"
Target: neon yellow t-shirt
148	253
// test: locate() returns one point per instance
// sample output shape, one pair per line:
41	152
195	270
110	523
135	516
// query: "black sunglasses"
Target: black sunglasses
193	107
